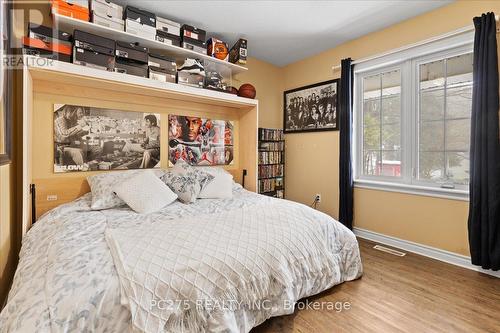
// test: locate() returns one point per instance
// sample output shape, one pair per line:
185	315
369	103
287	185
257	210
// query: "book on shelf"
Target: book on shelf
268	134
271	171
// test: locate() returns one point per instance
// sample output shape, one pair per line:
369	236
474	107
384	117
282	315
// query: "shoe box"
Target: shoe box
77	9
168	26
140	22
93	51
190	79
168	32
45	42
238	53
131	58
215	81
168	39
194	45
162	68
107	14
191	32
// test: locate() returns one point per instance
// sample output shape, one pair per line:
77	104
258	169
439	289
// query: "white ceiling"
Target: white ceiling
282	32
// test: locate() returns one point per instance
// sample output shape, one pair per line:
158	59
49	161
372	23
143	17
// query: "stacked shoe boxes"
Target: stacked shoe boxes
162	68
191	73
140	22
93	51
168	32
107	14
131	59
193	39
77	9
47	43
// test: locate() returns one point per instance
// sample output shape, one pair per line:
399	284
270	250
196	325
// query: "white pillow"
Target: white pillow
144	192
102	184
221	187
214	171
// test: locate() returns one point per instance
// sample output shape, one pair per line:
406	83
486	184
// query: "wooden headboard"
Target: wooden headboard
71	84
52	192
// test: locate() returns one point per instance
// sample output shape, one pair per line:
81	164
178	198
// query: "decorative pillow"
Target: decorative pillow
144	192
186	181
102	184
187	187
214	171
221	187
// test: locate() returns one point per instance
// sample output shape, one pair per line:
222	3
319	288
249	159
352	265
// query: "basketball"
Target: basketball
217	49
247	90
221	51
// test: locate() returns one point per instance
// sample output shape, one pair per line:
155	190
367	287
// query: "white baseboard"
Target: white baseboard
424	250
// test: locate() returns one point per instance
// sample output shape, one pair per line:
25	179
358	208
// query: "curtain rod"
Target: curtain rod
409	46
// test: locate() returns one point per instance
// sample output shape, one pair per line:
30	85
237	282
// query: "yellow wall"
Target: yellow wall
312	159
7	230
268	82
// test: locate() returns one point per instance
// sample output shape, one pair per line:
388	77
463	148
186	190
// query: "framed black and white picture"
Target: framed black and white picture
311	108
90	139
5	86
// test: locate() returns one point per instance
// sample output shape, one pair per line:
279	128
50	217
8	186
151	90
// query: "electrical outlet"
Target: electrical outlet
52	197
318	198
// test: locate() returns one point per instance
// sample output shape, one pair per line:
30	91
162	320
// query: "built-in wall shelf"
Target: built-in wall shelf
68	24
48	82
63	72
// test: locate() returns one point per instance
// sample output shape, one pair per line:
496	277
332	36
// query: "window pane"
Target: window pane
432	104
371	137
458	167
432	75
371	112
431	136
371	162
459	102
391	137
459	70
391	163
458	134
431	166
391	109
371	87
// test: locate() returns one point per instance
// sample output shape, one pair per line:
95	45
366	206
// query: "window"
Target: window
445	103
412	120
382	124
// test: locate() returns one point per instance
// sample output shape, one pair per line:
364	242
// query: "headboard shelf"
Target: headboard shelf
62	72
64	83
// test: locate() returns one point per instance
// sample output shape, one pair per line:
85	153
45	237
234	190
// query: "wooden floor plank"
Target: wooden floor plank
402	294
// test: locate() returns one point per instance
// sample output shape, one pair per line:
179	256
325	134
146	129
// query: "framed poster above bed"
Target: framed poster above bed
311	108
90	139
200	141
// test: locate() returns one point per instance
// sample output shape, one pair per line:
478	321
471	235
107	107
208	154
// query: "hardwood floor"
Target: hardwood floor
402	294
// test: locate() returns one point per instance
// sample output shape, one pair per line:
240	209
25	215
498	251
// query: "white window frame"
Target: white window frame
407	61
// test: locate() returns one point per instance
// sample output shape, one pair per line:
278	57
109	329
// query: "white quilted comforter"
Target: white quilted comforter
216	265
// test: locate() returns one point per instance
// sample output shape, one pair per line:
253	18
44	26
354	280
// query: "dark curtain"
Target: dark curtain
346	182
484	205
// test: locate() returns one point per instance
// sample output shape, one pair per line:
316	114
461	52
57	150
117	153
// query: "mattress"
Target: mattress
67	279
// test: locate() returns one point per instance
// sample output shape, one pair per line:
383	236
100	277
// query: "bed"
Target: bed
79	271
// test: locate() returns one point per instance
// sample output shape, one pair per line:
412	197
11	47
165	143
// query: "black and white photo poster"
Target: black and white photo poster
311	108
89	139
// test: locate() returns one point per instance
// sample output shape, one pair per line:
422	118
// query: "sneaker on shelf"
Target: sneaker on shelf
193	66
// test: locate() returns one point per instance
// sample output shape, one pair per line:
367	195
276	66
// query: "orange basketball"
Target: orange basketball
218	49
247	90
221	50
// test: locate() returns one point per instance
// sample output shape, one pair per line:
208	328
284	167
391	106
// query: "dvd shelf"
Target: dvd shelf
271	162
